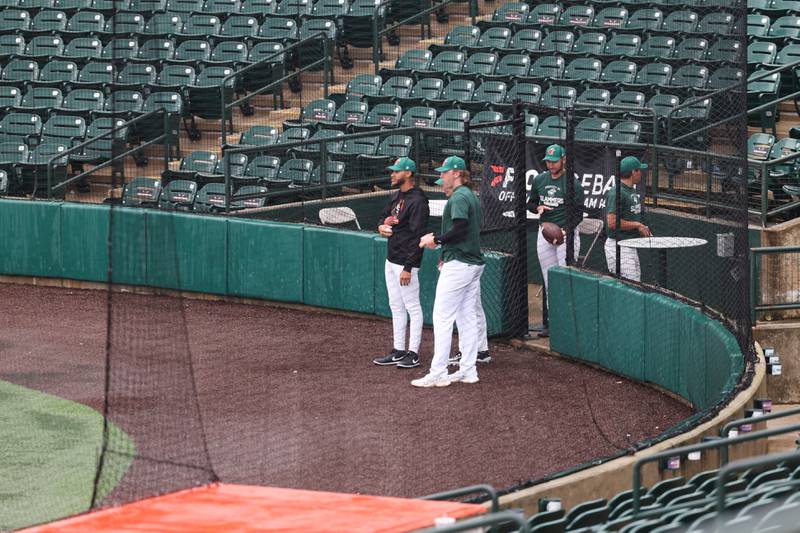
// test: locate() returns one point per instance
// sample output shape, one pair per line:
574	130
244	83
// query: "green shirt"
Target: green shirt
463	204
630	210
551	192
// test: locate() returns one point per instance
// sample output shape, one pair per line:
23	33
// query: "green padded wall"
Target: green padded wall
622	323
265	260
84	242
30	238
644	335
187	251
339	269
129	253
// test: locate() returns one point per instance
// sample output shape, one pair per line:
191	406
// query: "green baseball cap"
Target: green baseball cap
554	152
451	163
404	163
630	164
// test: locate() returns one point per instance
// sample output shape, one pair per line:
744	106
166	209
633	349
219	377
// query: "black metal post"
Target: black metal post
569	176
520	219
618	210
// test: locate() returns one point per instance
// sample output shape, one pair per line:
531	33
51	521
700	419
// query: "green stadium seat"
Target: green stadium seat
727	50
525	92
583	69
141	192
210	198
662	105
169	101
560	41
314	112
294	173
555	526
680	21
49	20
14	20
758	25
691	49
761	52
544	517
238	27
388	150
577	15
120	48
763	91
647	19
409	63
396	87
222	8
203	98
657	47
124	23
524	41
486	96
314	50
611	17
199	25
622	45
156	49
512	12
259	136
590	43
229	53
594	98
174	78
444	63
123	104
163	24
20	70
456	91
554	127
652	74
178	195
363	85
492	39
458	38
279	29
148	6
192	51
105	148
357	27
68	130
379	117
11	45
110	6
194	165
83	49
136	75
617	73
350	112
716	24
41	100
690	76
72	6
21	127
259	7
544	14
240	202
262	169
83	102
9	97
293	8
587	519
784	28
418	117
86	22
313	151
294	135
511	67
334	173
329	9
548	68
425	89
477	65
559	97
238	164
31	173
486	117
625	132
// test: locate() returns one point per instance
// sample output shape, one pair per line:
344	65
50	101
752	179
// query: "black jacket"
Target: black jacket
411	209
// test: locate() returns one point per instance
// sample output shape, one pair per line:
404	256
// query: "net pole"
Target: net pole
569	172
521	218
618	211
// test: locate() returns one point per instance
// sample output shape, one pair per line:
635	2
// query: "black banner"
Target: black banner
594	165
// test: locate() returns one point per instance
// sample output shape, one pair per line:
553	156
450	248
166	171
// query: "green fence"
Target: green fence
317	266
646	336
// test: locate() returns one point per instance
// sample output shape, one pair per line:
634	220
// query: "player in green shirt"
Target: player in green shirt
630	226
458	288
549	200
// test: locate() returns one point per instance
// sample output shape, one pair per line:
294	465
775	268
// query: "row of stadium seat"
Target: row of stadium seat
185	195
679	20
774	8
165	31
783	179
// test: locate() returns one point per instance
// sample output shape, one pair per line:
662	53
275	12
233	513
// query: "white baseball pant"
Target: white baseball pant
456	293
551	255
483	340
628	262
404	303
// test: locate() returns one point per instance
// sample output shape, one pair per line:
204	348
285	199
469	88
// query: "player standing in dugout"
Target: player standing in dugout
403	222
548	199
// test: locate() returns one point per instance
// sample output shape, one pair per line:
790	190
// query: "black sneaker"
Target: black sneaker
394	357
484	357
411	360
454	359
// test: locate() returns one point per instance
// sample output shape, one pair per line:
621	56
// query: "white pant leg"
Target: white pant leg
410	294
480	327
451	291
629	260
468	329
399	315
550	256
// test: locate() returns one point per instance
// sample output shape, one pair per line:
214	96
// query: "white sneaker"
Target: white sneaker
459	377
429	380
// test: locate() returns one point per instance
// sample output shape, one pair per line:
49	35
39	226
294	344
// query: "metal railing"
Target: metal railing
762	171
325	62
378	34
756	296
160	139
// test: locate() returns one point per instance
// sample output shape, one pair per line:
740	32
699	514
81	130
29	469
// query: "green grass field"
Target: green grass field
49	448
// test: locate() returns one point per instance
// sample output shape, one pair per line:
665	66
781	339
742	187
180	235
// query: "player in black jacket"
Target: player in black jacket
403	222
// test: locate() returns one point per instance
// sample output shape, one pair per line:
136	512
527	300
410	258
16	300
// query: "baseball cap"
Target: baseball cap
404	163
631	163
451	163
554	152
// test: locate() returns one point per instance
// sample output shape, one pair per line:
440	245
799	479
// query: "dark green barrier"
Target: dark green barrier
129	247
339	269
30	239
84	241
643	335
255	267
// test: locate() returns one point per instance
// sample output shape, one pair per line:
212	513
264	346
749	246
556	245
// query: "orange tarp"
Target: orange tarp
238	508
